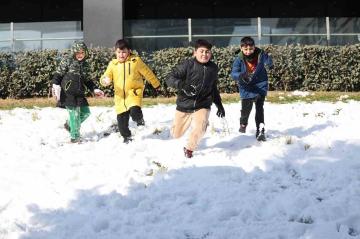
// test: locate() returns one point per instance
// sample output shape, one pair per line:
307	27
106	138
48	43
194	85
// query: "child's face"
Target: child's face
122	54
80	55
247	50
202	54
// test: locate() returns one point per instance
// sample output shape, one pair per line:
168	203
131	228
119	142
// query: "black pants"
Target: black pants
246	106
123	120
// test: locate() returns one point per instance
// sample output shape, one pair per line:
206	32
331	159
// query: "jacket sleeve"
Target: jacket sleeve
268	61
108	73
90	84
148	74
177	76
215	92
237	71
60	71
87	77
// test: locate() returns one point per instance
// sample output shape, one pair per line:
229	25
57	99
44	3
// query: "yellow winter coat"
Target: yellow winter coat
127	79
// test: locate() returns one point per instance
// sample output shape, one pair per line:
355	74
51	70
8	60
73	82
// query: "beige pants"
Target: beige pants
198	121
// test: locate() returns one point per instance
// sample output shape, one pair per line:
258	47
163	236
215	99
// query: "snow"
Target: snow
304	182
300	93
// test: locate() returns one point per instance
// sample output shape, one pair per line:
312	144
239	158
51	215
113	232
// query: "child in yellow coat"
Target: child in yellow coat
126	74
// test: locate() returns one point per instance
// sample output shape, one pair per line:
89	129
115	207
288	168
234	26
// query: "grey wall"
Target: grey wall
102	22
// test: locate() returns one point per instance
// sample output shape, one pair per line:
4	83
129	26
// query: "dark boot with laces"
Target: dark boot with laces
260	133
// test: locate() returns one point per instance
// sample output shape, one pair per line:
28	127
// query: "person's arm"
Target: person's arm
107	77
238	72
268	61
217	100
60	71
148	74
89	83
58	76
176	78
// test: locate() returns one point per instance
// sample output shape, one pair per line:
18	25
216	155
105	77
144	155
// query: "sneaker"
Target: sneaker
77	140
127	140
260	134
242	128
66	126
140	122
188	153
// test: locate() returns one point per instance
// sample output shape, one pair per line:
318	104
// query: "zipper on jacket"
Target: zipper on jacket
129	68
202	84
124	87
80	77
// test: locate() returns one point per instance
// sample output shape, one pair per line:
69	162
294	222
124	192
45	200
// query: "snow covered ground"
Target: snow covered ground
303	183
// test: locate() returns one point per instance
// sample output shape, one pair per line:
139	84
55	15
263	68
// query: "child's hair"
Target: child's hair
202	43
122	44
247	41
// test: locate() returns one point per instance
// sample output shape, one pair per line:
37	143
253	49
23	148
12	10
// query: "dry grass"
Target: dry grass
273	97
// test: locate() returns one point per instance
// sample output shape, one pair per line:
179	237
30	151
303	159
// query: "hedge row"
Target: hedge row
316	68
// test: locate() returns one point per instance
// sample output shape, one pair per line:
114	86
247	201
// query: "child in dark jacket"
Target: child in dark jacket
69	83
196	80
249	72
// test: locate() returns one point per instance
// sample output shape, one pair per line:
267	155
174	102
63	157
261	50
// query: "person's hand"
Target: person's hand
189	90
99	93
157	91
56	91
221	111
106	81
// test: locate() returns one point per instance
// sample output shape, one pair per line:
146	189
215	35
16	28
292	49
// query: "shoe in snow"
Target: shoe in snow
140	122
77	140
127	140
188	153
242	128
260	133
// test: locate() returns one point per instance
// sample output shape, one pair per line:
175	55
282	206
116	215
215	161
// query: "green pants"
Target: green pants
77	115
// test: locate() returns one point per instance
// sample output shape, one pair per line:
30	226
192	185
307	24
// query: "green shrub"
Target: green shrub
315	68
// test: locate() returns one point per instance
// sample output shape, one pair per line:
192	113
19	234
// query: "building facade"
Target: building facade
155	24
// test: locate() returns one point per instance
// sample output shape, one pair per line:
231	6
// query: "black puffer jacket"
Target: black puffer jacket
200	79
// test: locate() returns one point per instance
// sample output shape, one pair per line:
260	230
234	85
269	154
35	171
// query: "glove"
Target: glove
56	91
157	91
99	93
221	111
105	81
189	90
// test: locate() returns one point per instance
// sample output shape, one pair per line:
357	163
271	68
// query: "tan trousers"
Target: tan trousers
198	121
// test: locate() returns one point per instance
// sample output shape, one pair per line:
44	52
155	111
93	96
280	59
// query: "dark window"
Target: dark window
41	10
155	9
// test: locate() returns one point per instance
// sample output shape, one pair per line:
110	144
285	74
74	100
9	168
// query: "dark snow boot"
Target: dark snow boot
140	122
242	128
260	133
127	140
76	140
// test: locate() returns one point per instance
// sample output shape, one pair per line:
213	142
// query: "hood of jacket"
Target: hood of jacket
77	46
